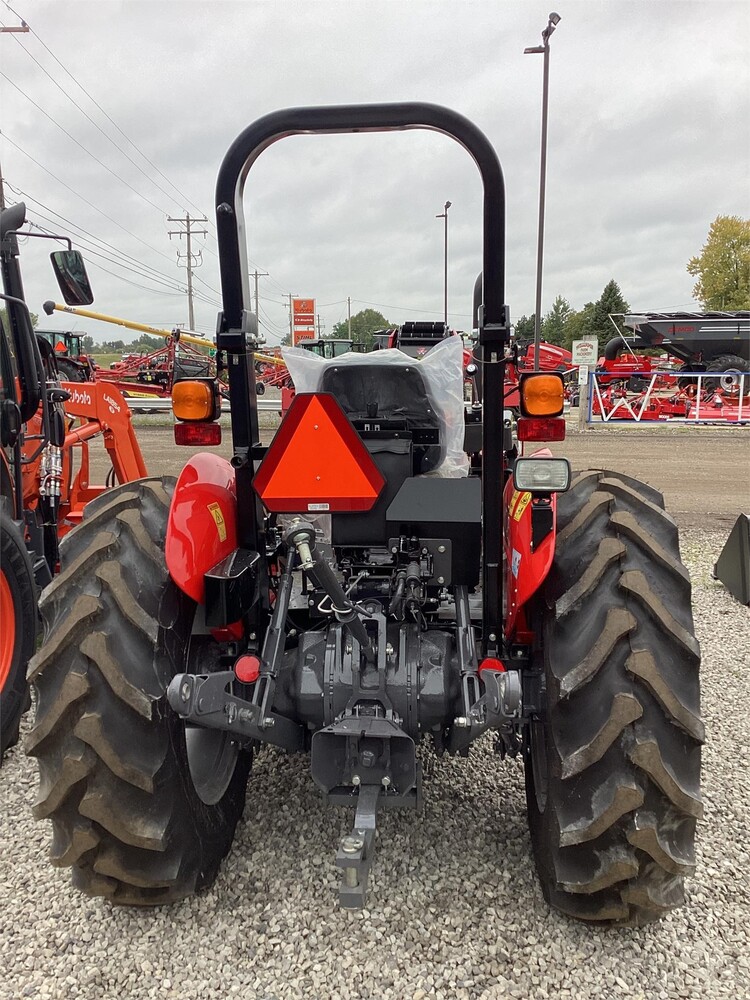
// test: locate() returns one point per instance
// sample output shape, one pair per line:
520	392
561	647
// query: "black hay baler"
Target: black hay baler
339	594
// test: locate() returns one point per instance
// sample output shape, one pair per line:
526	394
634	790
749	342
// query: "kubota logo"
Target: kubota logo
83	398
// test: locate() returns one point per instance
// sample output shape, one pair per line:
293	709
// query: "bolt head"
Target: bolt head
352	845
385	781
441	579
441	548
185	691
356	780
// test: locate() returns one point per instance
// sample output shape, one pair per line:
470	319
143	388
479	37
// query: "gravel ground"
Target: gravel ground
455	910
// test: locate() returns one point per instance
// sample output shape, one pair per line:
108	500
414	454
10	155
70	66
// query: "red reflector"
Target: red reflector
247	668
490	663
197	433
317	461
541	429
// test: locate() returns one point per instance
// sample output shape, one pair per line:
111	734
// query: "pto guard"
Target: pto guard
202	526
526	566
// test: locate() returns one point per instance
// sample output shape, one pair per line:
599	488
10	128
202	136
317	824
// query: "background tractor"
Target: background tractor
46	423
358	588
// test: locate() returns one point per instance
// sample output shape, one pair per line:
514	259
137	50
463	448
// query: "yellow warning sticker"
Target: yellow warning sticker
523	502
217	515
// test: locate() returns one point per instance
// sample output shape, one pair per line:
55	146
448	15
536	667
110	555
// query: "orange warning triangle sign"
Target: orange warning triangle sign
317	462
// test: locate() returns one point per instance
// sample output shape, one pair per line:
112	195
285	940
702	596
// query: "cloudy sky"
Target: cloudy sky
649	140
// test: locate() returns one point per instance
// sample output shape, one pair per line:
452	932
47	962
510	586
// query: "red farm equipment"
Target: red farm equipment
337	593
706	375
152	373
46	424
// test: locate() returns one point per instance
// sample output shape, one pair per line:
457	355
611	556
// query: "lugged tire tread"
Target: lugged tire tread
625	709
124	817
616	837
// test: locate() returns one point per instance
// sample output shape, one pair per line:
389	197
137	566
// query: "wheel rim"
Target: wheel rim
211	753
730	382
538	750
8	636
212	757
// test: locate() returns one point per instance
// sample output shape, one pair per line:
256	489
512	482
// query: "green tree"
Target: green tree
723	266
578	324
524	327
609	303
4	315
364	324
553	324
87	344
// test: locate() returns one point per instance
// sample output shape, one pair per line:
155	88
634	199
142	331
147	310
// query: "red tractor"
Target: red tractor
337	594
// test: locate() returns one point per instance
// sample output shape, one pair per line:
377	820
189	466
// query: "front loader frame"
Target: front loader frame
237	331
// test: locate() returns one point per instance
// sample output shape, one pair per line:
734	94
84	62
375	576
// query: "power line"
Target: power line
81	146
76	230
85	200
106	115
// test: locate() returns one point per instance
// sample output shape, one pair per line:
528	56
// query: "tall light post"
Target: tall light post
543	49
444	215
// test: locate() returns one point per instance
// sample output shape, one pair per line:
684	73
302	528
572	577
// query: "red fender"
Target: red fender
525	570
202	526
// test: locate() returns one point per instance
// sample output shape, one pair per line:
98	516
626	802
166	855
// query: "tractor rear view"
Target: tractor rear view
360	587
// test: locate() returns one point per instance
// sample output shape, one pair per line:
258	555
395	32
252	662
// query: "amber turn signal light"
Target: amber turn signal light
195	399
542	395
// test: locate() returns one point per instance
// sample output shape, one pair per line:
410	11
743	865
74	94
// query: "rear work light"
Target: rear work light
541	475
195	399
197	434
541	395
541	429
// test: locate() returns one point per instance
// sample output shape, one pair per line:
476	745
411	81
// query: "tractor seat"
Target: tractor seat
390	398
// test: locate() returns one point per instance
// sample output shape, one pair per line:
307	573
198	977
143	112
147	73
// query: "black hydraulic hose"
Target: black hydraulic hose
301	534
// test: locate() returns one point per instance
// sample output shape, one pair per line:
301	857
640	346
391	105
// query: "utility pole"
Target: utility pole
188	257
349	312
291	321
256	275
320	332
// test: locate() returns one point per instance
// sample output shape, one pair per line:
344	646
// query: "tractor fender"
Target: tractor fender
525	566
202	525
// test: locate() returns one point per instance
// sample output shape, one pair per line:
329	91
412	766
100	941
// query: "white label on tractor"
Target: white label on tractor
515	563
318	506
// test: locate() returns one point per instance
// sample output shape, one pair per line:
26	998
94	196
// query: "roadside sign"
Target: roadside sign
583	374
586	351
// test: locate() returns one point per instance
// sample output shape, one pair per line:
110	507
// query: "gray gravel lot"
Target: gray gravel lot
455	910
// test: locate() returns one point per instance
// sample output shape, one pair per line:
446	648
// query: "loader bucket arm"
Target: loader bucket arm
237	333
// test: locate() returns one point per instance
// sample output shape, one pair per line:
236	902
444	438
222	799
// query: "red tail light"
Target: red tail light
541	429
197	433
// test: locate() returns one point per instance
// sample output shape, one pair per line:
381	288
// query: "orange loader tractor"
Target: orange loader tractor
46	425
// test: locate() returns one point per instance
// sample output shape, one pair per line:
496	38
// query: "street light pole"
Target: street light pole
444	215
543	49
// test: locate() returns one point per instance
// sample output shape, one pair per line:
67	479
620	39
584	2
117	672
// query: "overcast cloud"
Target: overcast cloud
649	140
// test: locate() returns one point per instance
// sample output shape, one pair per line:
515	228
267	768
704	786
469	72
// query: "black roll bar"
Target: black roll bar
236	332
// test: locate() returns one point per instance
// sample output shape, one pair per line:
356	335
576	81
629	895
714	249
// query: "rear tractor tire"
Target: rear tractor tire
143	808
613	760
18	626
732	368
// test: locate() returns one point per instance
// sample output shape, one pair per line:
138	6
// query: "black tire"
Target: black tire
260	388
18	626
732	367
613	762
116	773
68	371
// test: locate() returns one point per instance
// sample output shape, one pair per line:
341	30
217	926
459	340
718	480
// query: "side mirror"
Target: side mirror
70	272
